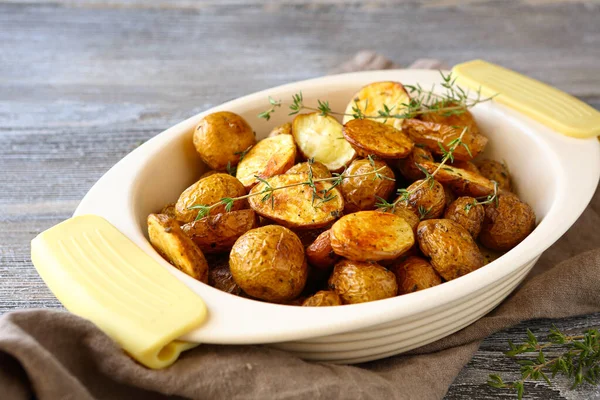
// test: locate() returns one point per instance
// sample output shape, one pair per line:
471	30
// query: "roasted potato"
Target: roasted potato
269	157
408	166
361	192
208	191
219	275
462	120
449	194
169	210
432	135
496	171
285	129
268	263
414	274
221	137
294	207
372	98
319	170
462	182
320	254
466	165
359	282
217	233
371	236
308	236
320	138
467	213
507	223
323	298
169	240
408	215
370	137
452	250
426	200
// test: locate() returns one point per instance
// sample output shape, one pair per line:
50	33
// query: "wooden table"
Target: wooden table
83	84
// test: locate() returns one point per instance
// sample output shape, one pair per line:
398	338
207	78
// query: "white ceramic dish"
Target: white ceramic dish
556	175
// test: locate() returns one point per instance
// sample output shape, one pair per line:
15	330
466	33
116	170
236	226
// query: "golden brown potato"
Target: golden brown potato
432	134
361	192
426	200
285	129
372	98
462	182
269	157
466	213
217	233
408	215
268	263
464	119
323	298
168	239
307	236
496	171
219	275
320	254
452	250
466	165
371	236
320	138
414	274
360	282
221	137
408	166
169	210
294	207
506	224
208	191
319	170
449	194
370	137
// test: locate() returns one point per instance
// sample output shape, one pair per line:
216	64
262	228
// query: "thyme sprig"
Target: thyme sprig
579	363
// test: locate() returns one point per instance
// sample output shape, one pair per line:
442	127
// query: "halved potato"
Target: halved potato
269	157
371	236
323	298
169	240
372	98
294	206
361	192
320	138
208	191
217	233
319	170
372	137
360	282
320	254
414	274
462	182
285	129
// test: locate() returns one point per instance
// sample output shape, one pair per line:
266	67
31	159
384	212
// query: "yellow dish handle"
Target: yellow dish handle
99	274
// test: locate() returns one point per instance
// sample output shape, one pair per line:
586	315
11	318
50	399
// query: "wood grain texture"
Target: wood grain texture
83	83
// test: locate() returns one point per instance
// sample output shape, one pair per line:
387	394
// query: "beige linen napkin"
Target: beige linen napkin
55	355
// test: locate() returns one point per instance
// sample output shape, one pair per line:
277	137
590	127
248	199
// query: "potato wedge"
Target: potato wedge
372	98
464	211
285	129
269	157
323	298
320	254
219	275
370	137
319	170
221	137
507	223
320	138
360	282
462	182
414	274
408	166
361	192
496	171
169	240
294	207
208	191
371	236
433	134
217	233
452	250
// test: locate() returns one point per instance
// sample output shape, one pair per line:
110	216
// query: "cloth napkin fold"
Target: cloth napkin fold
50	354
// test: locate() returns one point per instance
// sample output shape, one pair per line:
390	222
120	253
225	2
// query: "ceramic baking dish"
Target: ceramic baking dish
555	174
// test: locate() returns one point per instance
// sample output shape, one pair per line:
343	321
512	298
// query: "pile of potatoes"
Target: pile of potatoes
293	248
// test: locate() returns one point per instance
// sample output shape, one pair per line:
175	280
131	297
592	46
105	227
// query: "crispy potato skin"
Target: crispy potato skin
293	207
452	250
371	98
471	220
466	165
370	137
414	274
269	157
168	239
208	191
432	134
462	182
217	233
360	282
408	215
169	210
361	192
268	263
496	171
371	236
323	298
219	136
320	254
284	129
505	225
430	198
219	275
408	166
319	170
